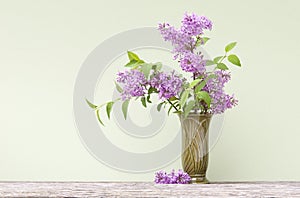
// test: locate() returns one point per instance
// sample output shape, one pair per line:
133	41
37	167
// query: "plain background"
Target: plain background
43	44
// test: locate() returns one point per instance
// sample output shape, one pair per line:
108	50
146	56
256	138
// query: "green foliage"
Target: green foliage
157	66
148	99
217	59
98	116
145	69
109	108
234	60
170	108
222	66
91	104
201	41
132	56
200	86
125	108
203	95
184	97
119	89
143	100
181	103
189	107
230	46
210	76
194	83
134	64
134	60
204	40
173	98
159	106
209	63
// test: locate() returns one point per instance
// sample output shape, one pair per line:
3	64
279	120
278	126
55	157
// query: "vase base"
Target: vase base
199	180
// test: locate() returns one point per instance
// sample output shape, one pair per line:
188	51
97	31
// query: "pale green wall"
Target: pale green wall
42	46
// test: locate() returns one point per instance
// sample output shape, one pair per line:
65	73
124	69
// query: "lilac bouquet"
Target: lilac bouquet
203	92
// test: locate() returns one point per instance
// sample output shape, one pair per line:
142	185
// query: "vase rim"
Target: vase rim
192	113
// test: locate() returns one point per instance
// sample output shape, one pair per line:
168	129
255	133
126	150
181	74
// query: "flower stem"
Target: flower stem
173	105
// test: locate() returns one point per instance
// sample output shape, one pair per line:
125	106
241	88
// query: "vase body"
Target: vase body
194	158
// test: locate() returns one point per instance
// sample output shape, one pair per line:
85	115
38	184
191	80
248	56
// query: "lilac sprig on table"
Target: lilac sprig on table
203	92
179	177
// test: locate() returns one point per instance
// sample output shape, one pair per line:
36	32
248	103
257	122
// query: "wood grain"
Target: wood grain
148	189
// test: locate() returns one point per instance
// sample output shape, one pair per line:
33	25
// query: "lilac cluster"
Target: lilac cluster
184	41
191	62
134	83
178	177
194	25
181	41
167	85
215	87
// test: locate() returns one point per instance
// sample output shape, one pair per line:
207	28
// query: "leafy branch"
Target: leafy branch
232	58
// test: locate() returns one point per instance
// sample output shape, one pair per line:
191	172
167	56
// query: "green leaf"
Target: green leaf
230	46
118	87
200	86
108	108
148	99
209	62
173	98
210	76
201	41
140	62
203	95
234	60
204	40
222	66
152	90
157	66
132	56
143	100
188	108
194	83
98	117
125	108
91	104
170	109
134	63
131	63
145	68
165	104
198	42
184	97
217	59
159	106
177	112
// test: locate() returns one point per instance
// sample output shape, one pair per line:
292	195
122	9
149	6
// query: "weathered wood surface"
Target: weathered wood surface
148	189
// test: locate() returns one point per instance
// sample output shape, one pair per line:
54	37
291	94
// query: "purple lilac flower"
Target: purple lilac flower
215	87
206	23
173	177
133	82
181	41
182	177
194	25
184	40
167	85
161	177
191	62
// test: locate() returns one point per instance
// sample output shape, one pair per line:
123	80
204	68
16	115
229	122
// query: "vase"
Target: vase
194	158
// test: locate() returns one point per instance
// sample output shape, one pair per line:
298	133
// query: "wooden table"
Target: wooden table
148	189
